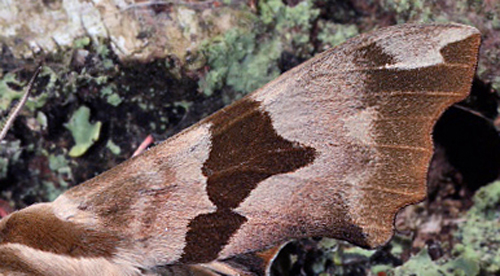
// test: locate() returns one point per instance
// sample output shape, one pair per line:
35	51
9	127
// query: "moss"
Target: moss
84	133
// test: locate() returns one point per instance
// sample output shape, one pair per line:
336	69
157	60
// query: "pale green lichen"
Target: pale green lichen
81	42
4	165
333	34
246	57
291	25
381	269
7	94
84	133
480	230
410	10
114	148
260	68
477	251
51	191
224	53
186	105
111	97
38	102
422	264
52	76
13	150
496	83
114	99
41	118
103	51
359	251
285	17
108	64
60	166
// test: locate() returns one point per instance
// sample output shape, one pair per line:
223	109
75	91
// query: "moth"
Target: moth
334	147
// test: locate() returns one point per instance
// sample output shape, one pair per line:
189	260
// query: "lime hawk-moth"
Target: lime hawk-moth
334	147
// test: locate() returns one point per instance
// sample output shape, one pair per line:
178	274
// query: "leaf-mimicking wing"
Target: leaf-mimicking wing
334	147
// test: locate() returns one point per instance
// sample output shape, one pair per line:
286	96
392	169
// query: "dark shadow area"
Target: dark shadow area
469	138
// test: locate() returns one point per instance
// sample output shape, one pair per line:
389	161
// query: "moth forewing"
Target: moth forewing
334	147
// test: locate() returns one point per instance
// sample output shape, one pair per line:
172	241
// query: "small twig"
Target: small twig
144	145
6	123
473	112
167	2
